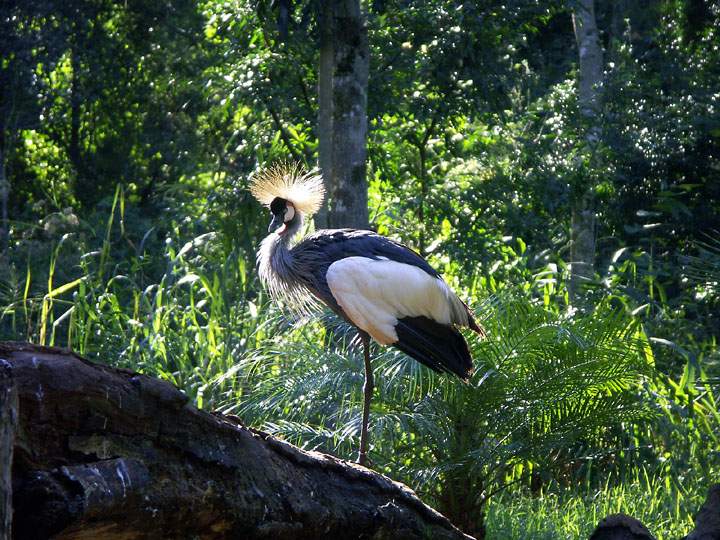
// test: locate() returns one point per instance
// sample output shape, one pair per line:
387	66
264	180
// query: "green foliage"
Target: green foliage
127	133
545	385
664	506
179	309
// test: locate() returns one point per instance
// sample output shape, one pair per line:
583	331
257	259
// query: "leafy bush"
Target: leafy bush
549	391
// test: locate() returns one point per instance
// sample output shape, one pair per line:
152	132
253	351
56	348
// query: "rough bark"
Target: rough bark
621	527
590	57
8	416
108	453
582	228
707	520
348	182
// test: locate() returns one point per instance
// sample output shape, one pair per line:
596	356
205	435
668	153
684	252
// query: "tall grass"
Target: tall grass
184	306
557	512
188	322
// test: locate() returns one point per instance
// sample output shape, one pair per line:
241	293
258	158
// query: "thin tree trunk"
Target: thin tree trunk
283	132
325	107
348	185
422	148
583	245
74	150
590	56
459	499
582	234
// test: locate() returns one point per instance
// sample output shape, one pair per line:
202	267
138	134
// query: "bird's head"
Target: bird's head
283	215
290	193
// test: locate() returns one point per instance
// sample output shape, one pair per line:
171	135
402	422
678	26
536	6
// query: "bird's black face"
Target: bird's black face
282	212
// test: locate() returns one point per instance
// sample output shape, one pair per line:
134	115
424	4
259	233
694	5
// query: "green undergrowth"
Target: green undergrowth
574	398
665	505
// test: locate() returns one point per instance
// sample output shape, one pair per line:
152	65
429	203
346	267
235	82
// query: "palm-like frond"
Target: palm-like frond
704	267
543	382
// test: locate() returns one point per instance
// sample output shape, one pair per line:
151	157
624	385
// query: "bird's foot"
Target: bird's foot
364	460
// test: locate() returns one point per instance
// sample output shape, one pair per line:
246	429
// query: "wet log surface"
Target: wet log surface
107	453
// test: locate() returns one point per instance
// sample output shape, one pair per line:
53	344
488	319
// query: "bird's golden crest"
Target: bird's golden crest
289	181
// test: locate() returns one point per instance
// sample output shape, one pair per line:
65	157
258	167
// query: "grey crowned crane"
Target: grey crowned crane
383	288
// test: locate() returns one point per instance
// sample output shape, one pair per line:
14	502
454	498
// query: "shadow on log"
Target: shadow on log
107	453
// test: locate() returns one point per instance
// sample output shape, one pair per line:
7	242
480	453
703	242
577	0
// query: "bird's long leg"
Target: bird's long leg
367	391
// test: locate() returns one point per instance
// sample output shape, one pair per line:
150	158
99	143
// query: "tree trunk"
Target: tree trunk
325	107
582	234
582	238
617	25
460	499
108	453
348	182
8	417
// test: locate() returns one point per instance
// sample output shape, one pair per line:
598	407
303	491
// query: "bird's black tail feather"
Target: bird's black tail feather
438	346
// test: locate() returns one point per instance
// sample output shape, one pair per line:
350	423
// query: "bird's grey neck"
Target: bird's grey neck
275	260
274	251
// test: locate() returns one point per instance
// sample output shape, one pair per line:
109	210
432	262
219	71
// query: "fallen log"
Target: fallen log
108	453
8	417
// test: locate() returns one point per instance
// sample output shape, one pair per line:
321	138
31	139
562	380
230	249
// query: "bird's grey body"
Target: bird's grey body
300	275
314	255
383	288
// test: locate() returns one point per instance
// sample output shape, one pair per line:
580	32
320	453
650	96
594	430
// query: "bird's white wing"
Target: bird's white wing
374	294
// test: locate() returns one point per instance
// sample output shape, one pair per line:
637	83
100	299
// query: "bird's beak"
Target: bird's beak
275	224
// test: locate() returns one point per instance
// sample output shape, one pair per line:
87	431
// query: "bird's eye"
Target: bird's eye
289	213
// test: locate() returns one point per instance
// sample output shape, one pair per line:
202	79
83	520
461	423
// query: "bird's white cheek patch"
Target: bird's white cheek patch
374	294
